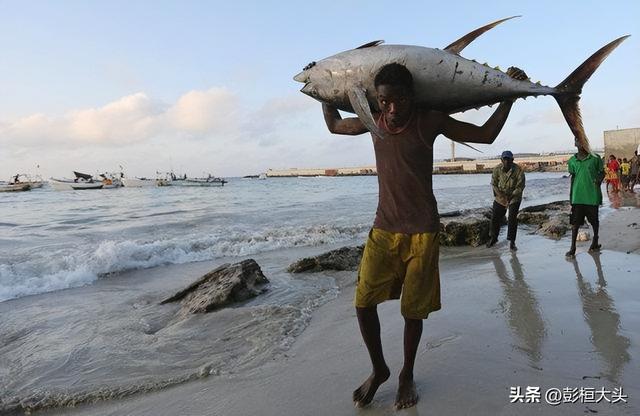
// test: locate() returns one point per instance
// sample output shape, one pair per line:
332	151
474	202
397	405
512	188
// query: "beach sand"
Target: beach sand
509	320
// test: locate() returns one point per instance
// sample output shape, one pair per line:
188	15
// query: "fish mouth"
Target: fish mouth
301	77
310	90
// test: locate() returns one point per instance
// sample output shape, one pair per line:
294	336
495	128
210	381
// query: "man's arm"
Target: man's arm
487	133
600	173
520	184
500	197
337	125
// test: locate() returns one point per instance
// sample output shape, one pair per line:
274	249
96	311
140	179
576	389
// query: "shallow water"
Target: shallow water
118	253
51	240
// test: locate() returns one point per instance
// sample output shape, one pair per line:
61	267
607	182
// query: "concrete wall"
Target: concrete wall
621	143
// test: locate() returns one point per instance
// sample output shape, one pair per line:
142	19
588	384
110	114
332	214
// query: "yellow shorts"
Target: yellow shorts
395	263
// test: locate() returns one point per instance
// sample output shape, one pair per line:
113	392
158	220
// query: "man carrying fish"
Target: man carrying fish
400	259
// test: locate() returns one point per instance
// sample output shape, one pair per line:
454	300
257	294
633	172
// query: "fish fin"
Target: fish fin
457	46
574	82
360	104
469	146
370	44
568	91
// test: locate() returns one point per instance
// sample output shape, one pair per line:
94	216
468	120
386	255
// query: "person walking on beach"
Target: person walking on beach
613	167
400	258
508	184
587	172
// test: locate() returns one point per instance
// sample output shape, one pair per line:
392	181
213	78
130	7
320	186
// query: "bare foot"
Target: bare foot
363	395
407	395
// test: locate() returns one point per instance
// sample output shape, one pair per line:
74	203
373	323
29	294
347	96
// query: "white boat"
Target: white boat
24	179
112	180
81	186
210	180
138	182
61	184
13	187
81	182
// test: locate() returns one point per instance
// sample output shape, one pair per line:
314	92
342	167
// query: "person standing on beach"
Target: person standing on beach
587	172
635	170
400	258
625	169
508	184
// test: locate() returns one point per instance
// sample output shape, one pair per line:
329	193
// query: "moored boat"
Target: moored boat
81	182
25	179
81	186
210	180
138	182
112	180
13	187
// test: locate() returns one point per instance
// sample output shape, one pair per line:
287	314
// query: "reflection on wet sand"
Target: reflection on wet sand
623	199
603	320
524	316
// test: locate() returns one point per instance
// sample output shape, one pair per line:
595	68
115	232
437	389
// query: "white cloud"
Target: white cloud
130	119
214	131
201	112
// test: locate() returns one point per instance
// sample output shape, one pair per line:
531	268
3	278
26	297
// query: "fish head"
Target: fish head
322	80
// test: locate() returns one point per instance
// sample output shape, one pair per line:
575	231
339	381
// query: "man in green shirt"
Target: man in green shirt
587	173
507	181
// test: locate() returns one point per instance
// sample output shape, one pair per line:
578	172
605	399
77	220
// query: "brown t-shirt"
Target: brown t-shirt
405	164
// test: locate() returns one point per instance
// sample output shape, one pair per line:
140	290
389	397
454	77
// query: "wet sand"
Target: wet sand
509	320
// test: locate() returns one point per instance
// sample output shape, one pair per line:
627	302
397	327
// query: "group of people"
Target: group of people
587	173
622	174
401	255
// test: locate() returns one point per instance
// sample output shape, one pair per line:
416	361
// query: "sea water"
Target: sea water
52	240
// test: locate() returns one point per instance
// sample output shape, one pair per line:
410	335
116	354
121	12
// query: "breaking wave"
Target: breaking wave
66	268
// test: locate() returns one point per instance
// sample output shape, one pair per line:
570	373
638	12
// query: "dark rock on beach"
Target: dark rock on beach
468	227
221	287
551	220
345	258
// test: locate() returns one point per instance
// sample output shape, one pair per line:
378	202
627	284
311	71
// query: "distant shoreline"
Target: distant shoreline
530	163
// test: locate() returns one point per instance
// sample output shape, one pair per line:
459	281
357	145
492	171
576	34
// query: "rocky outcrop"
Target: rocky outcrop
551	220
457	228
223	286
345	258
467	227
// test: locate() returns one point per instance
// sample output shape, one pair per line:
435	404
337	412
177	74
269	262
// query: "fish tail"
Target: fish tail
568	91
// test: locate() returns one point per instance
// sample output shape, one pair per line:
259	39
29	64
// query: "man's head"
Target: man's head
612	157
394	88
507	159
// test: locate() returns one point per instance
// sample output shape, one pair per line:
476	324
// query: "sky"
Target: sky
206	87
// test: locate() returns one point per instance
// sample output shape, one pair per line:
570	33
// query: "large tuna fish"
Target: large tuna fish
443	80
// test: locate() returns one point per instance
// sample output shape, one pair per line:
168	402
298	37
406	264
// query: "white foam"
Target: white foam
68	268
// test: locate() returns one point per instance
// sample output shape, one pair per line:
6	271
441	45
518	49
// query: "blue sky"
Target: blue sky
207	86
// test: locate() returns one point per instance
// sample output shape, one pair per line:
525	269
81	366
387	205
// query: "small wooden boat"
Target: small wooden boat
14	187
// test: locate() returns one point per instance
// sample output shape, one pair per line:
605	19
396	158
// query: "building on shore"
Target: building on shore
530	162
622	142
